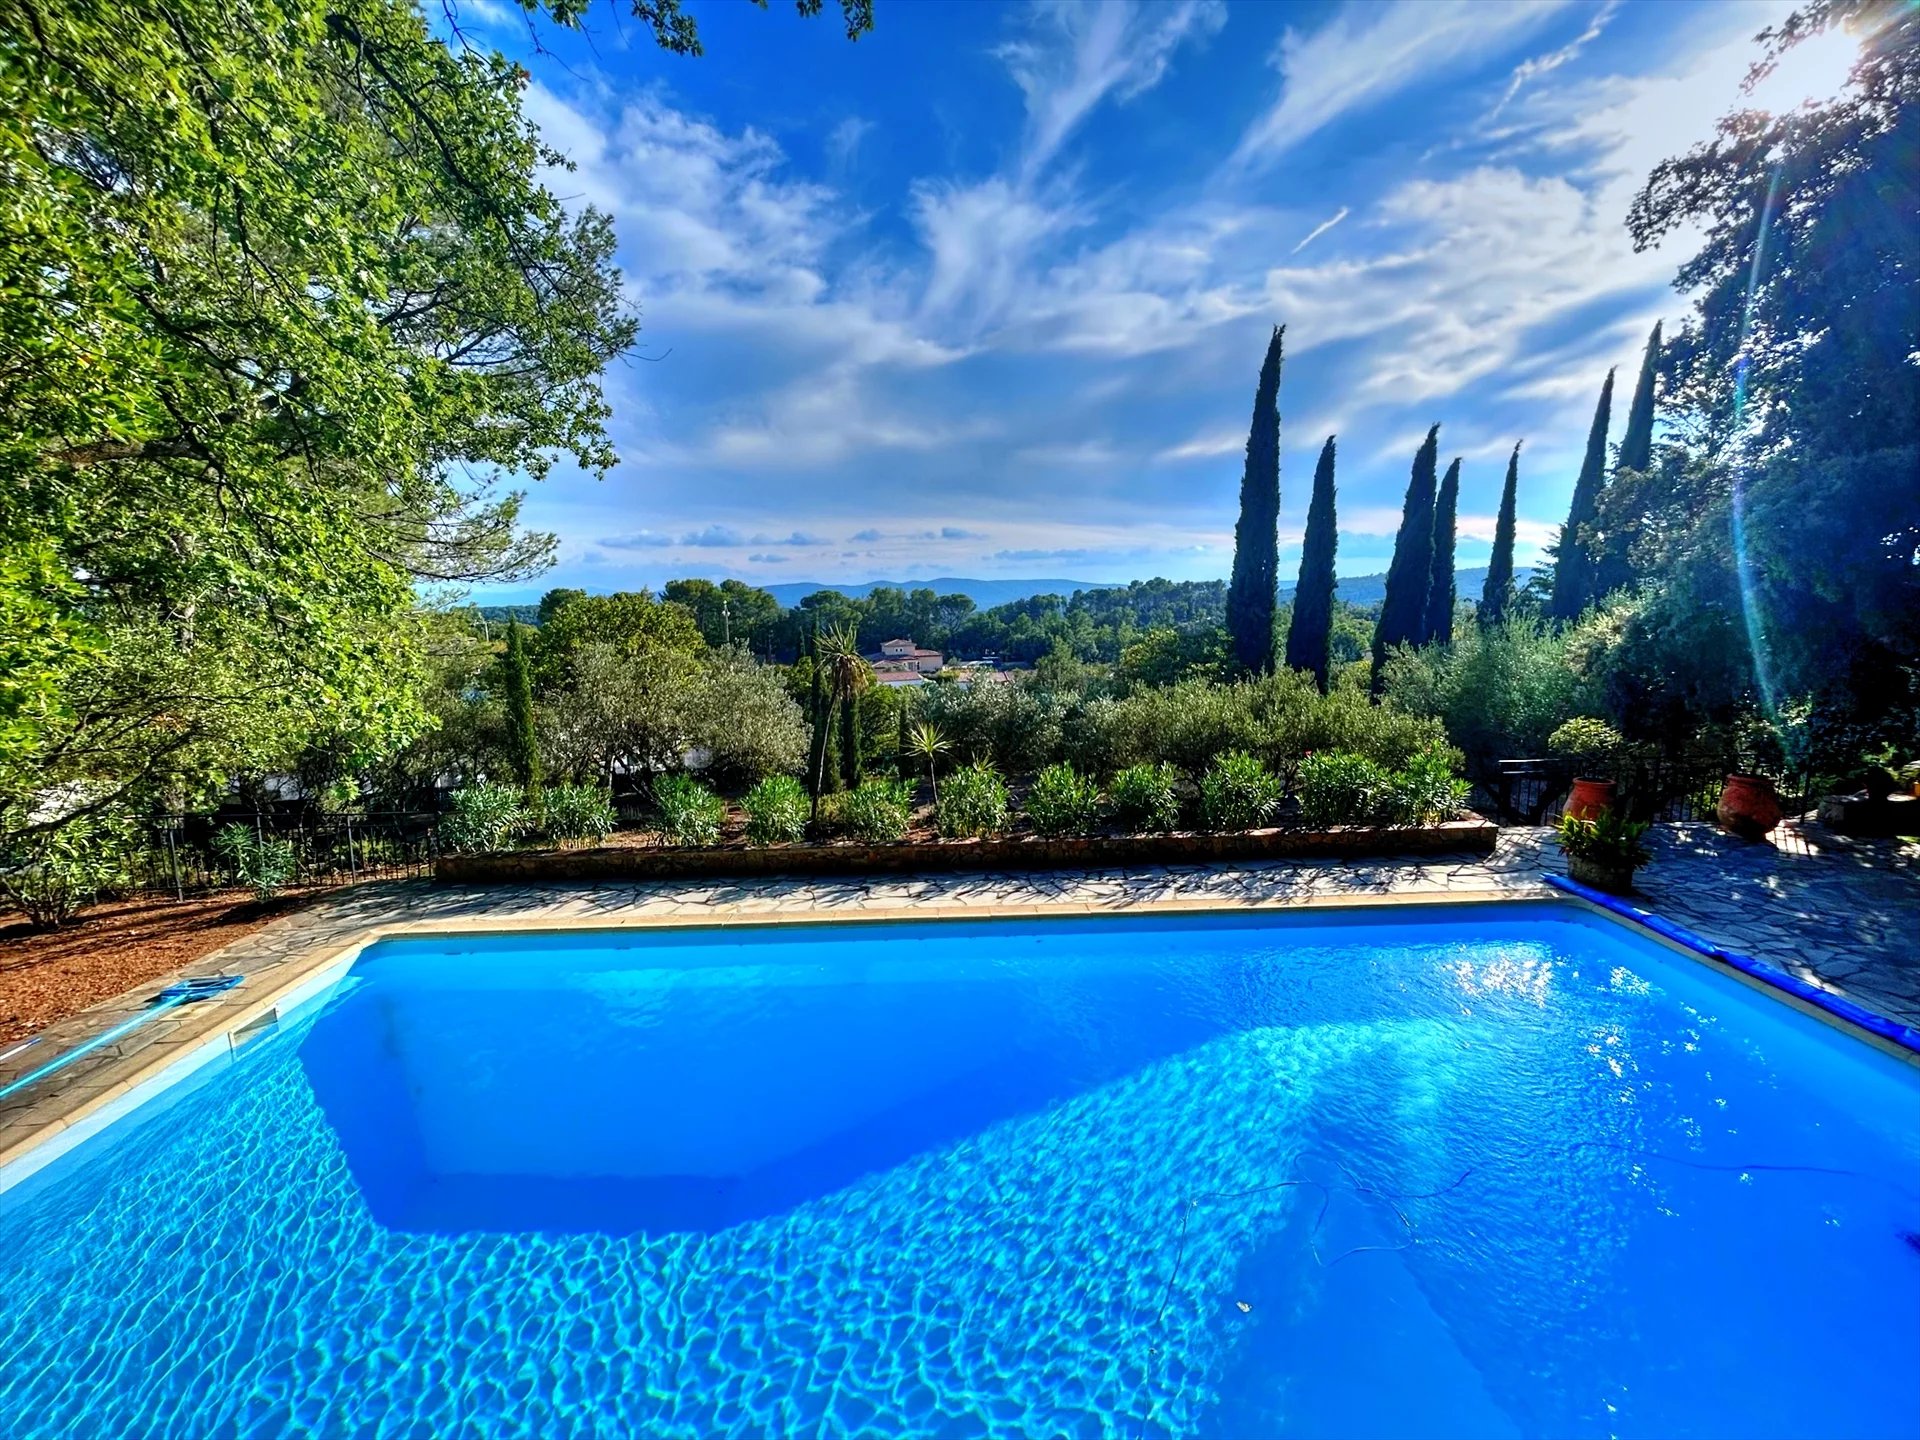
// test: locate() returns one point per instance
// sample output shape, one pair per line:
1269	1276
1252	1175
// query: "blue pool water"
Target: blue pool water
1505	1171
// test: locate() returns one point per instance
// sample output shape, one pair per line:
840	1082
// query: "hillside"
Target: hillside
984	593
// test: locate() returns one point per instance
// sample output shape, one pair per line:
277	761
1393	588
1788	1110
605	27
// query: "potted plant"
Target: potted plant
1594	747
1749	807
1605	851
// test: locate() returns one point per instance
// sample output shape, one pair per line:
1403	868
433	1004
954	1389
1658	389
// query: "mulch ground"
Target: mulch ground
47	975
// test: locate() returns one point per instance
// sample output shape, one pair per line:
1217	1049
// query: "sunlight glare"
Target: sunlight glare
1811	73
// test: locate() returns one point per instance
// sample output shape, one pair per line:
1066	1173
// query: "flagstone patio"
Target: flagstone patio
1843	915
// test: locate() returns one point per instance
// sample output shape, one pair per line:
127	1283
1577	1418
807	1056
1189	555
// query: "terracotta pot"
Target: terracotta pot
1614	879
1590	799
1749	807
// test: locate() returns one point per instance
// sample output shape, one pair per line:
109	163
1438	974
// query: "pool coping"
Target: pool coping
225	1024
1883	1033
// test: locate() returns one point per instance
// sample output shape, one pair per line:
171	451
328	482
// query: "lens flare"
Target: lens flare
1742	365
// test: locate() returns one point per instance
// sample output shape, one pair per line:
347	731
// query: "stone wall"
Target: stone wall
1011	852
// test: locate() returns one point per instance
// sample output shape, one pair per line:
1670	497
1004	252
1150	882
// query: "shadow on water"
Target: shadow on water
699	1108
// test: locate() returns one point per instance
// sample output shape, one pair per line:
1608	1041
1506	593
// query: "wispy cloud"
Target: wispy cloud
1367	53
715	537
1527	71
1321	229
1205	447
844	140
1074	55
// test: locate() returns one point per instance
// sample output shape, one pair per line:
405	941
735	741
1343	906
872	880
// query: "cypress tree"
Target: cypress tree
523	748
1636	446
850	766
819	717
1310	636
1612	565
1251	596
1403	613
1498	594
1439	624
1573	583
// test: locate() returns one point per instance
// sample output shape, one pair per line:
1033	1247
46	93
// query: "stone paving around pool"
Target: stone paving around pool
1844	915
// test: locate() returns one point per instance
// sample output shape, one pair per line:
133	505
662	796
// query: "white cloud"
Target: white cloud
1321	229
1074	55
1527	71
981	240
1367	53
844	140
1205	446
1081	452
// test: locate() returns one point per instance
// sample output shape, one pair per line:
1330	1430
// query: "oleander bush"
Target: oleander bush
1062	801
1337	788
1239	793
1425	791
973	802
777	810
263	863
1343	789
483	817
52	875
876	810
573	813
1146	798
690	813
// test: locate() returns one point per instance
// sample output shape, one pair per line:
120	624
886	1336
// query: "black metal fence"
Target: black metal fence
1657	788
180	857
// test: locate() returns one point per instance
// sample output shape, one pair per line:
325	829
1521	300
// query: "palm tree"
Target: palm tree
924	739
837	658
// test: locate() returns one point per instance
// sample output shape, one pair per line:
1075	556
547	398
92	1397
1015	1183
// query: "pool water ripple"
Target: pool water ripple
1461	1167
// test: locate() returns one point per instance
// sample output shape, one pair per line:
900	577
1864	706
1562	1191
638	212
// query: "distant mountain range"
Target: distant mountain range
984	593
1354	589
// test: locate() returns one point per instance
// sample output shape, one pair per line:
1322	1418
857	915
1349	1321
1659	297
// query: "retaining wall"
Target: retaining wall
1009	852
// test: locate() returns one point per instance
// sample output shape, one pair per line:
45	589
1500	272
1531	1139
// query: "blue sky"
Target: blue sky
986	293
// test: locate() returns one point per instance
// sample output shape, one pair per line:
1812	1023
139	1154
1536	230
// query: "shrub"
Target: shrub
1425	792
1501	692
483	817
1063	802
1014	724
690	813
263	863
1593	745
1239	793
739	712
1145	797
1608	839
1337	788
876	810
973	802
1279	720
578	812
776	809
53	875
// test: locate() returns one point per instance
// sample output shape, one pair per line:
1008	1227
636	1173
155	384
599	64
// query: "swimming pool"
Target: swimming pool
1471	1170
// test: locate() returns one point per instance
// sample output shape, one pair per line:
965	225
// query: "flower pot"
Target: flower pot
1748	807
1590	799
1600	875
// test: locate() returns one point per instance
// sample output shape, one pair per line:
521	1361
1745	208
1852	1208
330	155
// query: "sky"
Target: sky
986	293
